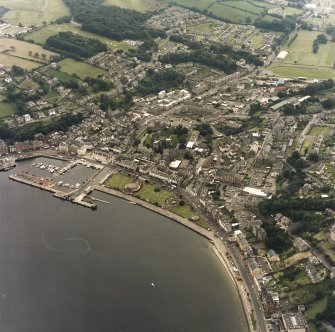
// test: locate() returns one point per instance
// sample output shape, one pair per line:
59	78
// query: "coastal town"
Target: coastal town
233	151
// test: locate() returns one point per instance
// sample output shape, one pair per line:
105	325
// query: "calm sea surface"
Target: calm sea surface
65	268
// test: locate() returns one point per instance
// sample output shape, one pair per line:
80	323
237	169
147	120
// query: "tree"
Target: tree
30	53
313	157
43	55
36	55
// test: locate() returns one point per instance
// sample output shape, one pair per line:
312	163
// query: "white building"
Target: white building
27	117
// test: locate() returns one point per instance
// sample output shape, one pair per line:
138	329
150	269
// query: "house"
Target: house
243	244
272	256
300	244
253	267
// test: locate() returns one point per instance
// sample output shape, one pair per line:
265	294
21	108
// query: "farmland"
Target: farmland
40	36
9	61
33	12
81	69
22	49
22	54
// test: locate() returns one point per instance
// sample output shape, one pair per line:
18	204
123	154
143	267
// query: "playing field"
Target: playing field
22	49
79	68
301	71
301	53
40	36
33	12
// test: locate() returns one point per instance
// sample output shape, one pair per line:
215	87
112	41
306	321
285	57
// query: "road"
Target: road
238	260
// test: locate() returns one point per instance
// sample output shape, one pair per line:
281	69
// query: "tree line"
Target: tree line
27	132
74	46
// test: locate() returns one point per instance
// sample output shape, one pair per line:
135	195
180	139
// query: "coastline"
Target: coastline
218	246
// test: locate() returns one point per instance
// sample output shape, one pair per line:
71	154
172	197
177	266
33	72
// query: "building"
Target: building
300	244
26	117
3	147
294	322
254	268
282	55
243	244
269	305
332	233
272	256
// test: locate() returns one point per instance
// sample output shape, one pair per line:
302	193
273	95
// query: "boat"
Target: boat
152	285
130	202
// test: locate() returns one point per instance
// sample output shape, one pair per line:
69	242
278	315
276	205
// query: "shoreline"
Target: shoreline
218	247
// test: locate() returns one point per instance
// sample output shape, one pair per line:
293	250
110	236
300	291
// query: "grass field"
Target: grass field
79	68
149	194
232	14
7	109
63	77
40	36
257	41
22	49
33	12
183	211
139	5
301	61
8	61
118	181
296	71
316	131
316	307
292	11
200	4
300	51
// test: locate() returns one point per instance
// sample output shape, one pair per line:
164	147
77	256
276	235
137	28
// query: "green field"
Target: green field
231	14
25	50
118	181
149	194
7	109
79	68
184	211
139	5
301	61
9	60
300	51
292	11
316	131
199	4
40	36
33	12
257	41
296	71
63	77
316	307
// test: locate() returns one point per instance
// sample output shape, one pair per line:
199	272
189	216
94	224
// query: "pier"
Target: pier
79	199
